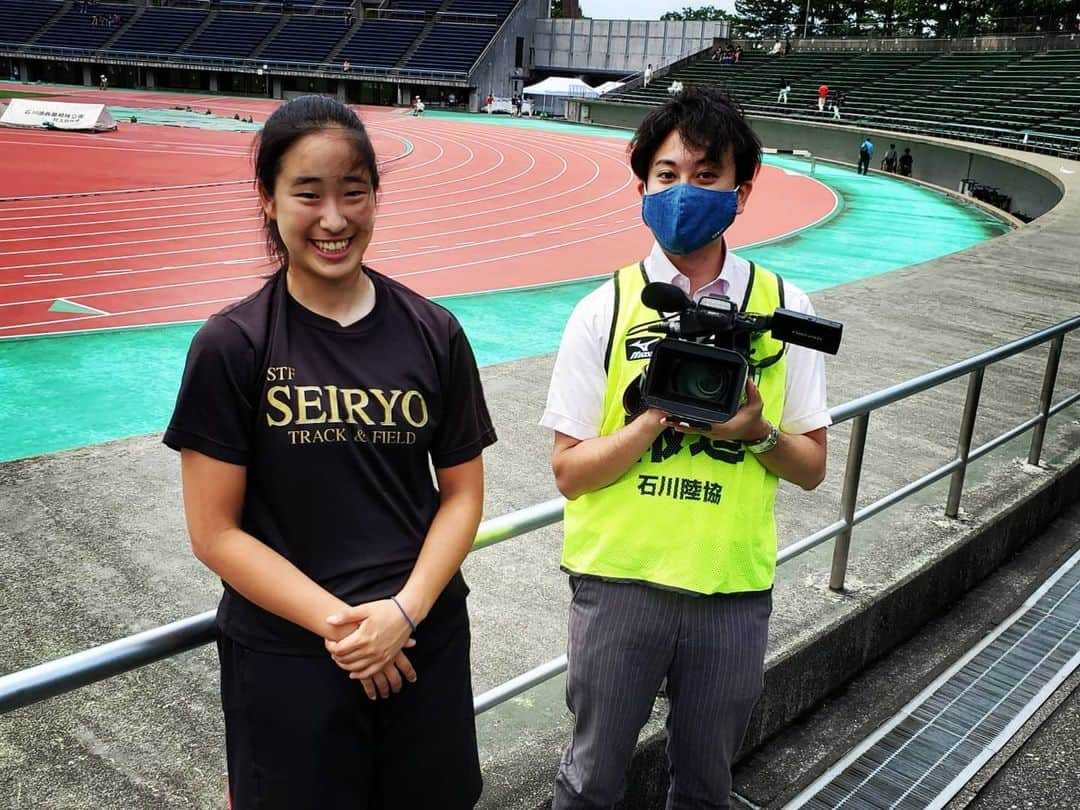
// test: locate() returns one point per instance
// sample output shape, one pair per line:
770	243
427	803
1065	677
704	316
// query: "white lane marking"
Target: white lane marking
131	290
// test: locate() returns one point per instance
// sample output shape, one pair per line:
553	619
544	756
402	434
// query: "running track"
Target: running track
154	225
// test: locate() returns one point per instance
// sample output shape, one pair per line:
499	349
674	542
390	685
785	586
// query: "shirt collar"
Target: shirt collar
730	281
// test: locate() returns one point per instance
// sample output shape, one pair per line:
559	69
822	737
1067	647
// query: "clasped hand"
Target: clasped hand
746	425
373	653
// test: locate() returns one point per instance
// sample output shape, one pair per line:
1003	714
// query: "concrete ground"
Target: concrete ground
1036	769
93	546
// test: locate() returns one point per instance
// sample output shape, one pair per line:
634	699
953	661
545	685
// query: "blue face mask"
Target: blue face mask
685	217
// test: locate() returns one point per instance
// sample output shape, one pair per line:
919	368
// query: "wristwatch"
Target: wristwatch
766	444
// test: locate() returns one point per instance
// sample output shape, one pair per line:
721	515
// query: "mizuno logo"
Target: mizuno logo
640	348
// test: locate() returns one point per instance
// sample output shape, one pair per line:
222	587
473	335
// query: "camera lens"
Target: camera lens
699	380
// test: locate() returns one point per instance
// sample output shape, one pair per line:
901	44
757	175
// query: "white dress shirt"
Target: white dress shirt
575	402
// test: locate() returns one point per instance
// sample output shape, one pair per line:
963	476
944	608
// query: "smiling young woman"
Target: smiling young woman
322	204
308	419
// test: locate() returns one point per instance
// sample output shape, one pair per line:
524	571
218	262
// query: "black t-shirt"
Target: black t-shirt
336	426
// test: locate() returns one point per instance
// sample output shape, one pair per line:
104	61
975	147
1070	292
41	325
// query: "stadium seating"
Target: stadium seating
232	34
1030	98
158	30
20	21
306	39
498	8
426	7
380	43
451	47
994	96
76	30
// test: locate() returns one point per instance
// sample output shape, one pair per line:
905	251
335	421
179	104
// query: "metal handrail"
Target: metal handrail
73	671
242	64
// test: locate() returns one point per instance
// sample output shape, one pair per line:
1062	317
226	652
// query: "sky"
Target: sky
643	9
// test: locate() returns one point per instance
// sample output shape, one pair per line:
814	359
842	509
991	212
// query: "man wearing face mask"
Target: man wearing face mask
670	541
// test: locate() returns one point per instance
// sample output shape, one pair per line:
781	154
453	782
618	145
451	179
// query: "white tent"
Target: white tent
553	91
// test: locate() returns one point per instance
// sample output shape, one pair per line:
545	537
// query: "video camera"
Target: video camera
698	372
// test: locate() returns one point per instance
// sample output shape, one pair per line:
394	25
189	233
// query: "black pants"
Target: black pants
300	734
864	164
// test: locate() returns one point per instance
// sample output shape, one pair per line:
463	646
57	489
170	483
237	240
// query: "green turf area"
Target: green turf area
5	95
527	122
196	118
70	391
884	224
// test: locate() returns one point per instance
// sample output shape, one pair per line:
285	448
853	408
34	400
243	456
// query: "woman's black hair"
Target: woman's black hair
289	123
707	119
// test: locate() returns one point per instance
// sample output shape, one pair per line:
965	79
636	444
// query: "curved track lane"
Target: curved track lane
151	225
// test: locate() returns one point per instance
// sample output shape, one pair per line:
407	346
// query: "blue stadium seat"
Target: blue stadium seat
75	30
451	47
380	43
305	39
498	8
159	30
426	6
19	20
232	34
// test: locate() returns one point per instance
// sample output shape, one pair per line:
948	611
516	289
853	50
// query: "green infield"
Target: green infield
6	95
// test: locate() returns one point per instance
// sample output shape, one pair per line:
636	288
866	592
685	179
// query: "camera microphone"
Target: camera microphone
664	297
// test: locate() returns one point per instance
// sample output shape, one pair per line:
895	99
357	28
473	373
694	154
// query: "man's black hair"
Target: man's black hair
707	119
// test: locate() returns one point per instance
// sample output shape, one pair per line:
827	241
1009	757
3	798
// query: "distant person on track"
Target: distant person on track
906	161
670	540
309	419
103	82
489	103
888	163
785	88
836	102
866	151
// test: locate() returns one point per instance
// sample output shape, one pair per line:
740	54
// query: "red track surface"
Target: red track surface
470	208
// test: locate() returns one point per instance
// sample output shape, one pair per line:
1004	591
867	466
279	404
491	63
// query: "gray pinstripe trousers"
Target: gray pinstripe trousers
624	639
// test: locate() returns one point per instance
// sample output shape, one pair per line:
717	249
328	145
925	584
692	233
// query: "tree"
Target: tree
768	17
702	13
940	18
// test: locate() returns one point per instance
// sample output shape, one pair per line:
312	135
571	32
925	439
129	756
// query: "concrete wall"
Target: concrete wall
495	72
625	46
942	162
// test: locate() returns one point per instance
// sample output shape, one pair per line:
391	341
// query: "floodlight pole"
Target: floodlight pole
806	19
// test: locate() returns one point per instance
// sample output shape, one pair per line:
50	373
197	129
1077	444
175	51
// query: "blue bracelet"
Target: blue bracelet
412	624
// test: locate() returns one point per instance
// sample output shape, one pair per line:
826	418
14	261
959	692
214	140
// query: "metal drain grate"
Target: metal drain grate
934	745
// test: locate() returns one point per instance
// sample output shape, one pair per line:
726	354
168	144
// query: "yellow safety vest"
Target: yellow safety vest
692	514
